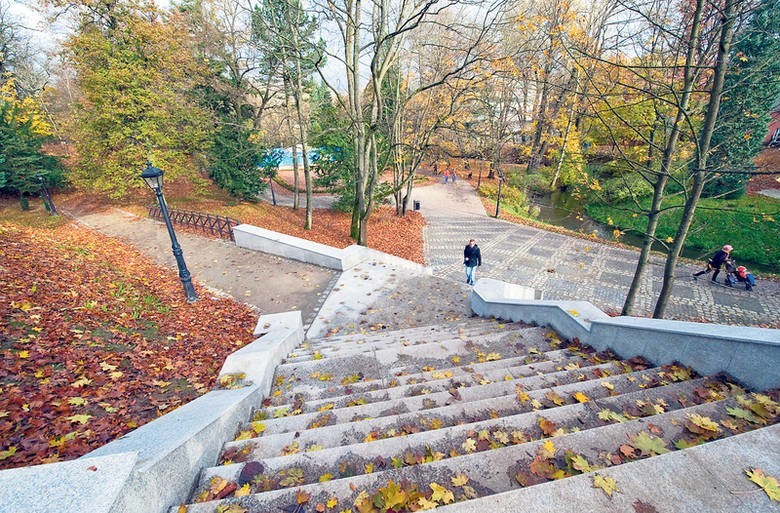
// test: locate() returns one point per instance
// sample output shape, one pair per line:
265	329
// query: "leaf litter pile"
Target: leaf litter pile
96	340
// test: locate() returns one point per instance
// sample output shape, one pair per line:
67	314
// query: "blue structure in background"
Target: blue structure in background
287	157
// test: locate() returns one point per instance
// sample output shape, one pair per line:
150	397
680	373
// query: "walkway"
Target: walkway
564	267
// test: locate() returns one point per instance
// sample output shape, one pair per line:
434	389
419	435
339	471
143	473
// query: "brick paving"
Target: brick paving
572	268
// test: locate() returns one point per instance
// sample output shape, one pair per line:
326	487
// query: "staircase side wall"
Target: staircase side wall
749	355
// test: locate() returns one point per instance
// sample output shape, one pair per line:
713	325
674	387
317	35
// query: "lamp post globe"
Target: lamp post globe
153	177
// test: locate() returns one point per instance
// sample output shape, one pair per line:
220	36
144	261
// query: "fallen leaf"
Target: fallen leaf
607	484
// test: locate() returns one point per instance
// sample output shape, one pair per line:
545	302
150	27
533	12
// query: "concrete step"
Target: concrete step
425	383
350	344
628	405
488	464
407	424
313	379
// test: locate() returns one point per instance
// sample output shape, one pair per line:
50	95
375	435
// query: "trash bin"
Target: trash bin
416	205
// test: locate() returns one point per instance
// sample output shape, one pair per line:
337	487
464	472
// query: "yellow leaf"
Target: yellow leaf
81	419
332	502
574	313
77	401
580	397
767	483
424	503
547	450
160	383
455	359
607	385
243	491
107	367
83	380
607	484
469	445
459	479
258	427
115	375
441	494
24	354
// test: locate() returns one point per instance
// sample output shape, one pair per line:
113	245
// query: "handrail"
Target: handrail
217	225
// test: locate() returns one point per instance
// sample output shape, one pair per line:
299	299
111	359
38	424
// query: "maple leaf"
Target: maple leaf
536	405
77	401
4	455
648	444
554	398
292	477
547	449
230	508
302	497
332	502
703	426
469	445
441	494
769	484
607	385
393	495
741	413
548	427
424	503
522	396
243	491
578	462
81	419
607	484
580	397
459	479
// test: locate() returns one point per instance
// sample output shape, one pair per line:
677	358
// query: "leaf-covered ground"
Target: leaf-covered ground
96	340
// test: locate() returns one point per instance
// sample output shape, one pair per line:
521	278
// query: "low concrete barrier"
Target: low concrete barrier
295	248
750	355
155	466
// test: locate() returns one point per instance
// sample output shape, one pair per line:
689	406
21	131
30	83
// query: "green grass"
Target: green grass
750	224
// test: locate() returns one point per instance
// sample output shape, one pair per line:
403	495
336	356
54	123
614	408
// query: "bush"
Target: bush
537	182
512	198
616	190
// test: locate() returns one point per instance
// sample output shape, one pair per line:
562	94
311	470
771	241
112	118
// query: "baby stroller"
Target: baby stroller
738	274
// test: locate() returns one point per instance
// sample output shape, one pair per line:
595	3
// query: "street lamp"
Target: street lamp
154	179
498	198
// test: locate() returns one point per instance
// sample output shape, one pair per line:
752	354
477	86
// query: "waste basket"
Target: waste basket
416	205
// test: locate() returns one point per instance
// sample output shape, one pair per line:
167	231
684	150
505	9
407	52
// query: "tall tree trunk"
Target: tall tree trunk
705	138
666	162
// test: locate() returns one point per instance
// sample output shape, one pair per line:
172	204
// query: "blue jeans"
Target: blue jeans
471	274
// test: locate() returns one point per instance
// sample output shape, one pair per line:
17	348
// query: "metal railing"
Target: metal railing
217	225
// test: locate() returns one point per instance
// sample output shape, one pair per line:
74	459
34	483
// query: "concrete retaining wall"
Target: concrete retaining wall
155	466
295	248
750	355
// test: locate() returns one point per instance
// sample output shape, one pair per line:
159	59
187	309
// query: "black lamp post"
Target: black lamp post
498	199
154	179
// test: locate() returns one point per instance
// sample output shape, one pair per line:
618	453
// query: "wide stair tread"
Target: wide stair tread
469	409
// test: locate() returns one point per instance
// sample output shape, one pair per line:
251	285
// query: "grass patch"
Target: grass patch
748	223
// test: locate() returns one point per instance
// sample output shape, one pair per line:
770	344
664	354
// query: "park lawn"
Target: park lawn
96	339
749	223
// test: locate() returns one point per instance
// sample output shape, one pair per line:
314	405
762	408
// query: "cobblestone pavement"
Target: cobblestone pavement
565	267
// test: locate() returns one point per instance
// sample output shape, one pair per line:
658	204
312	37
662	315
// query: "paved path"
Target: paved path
269	283
564	267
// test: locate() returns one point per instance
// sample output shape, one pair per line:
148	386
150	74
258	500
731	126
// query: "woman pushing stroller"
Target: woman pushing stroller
715	263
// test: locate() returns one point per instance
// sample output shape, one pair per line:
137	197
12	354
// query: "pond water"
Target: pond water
560	208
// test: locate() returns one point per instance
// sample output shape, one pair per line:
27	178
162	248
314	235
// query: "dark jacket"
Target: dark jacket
718	258
471	256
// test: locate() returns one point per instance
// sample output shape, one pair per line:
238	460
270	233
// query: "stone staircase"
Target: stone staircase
448	414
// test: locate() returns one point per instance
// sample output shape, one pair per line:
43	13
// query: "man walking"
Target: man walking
472	258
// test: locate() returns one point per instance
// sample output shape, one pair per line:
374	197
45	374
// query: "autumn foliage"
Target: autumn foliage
96	340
